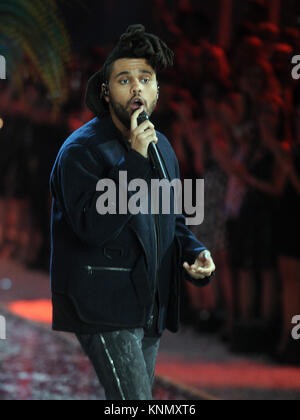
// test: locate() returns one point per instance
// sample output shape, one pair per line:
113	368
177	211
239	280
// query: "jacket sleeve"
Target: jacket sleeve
73	183
190	245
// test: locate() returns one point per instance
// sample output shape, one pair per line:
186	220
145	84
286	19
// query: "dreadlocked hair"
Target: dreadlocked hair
136	43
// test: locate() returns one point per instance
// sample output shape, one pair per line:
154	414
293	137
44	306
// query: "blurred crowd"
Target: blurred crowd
233	119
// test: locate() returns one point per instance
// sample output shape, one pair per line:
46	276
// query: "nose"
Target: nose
136	87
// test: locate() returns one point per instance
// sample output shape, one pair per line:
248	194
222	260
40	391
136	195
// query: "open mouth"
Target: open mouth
136	103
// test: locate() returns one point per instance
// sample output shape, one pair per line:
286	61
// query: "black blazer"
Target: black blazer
105	265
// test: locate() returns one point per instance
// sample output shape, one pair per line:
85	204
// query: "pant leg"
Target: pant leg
119	362
150	347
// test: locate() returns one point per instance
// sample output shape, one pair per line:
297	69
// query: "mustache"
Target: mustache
136	97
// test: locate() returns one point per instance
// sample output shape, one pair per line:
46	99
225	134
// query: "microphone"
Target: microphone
153	151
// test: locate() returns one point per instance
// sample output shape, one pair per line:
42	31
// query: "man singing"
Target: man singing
116	277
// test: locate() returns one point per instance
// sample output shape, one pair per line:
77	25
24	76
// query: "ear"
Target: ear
105	92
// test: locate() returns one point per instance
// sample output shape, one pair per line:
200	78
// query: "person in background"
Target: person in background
288	227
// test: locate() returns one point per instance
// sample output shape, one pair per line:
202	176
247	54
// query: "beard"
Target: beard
124	113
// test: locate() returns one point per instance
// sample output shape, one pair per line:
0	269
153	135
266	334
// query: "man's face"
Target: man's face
131	79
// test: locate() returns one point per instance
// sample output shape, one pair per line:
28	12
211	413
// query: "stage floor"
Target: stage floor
38	364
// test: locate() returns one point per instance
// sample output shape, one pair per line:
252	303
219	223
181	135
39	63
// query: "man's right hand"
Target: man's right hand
141	135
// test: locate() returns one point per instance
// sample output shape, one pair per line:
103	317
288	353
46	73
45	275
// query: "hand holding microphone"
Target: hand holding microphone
141	134
144	140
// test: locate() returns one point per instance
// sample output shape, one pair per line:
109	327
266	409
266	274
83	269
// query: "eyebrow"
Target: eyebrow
126	73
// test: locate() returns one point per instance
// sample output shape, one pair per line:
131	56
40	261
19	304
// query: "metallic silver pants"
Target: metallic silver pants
124	362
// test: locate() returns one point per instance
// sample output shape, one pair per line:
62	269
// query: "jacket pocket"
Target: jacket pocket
91	269
106	295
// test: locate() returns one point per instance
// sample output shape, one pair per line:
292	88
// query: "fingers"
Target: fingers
142	127
143	139
147	137
205	262
142	135
210	266
198	272
138	129
193	273
206	255
135	116
145	126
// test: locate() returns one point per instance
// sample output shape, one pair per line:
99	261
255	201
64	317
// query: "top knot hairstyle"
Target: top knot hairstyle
134	43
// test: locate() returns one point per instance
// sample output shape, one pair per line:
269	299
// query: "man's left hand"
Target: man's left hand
203	267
